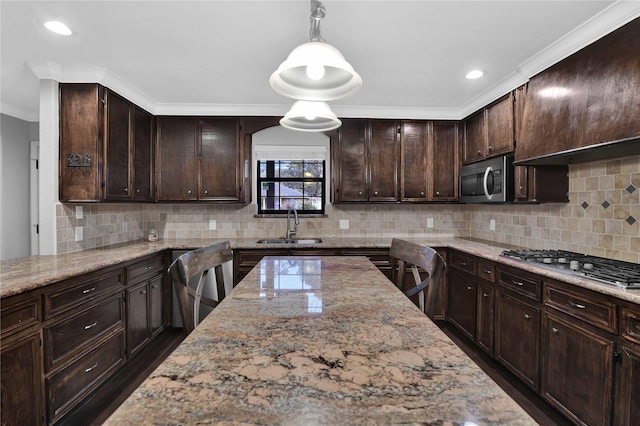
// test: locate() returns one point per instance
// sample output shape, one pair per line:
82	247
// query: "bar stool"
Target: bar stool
407	254
196	264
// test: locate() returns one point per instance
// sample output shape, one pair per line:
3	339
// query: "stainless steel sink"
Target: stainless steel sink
293	241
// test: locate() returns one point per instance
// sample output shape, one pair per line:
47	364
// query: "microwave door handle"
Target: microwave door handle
485	183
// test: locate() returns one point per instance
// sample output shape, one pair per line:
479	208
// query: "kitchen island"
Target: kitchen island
318	340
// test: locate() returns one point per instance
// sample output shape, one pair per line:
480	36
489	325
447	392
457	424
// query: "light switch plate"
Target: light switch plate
212	225
78	231
492	225
429	222
344	223
79	212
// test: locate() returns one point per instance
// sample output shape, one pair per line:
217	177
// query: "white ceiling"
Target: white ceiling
215	57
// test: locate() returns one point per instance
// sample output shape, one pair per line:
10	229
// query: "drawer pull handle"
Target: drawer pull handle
486	271
147	268
143	291
518	283
469	287
154	286
577	305
87	327
555	331
464	263
91	368
88	290
527	317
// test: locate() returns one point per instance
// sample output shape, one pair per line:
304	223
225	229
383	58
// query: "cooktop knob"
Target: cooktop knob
562	260
574	265
588	266
547	260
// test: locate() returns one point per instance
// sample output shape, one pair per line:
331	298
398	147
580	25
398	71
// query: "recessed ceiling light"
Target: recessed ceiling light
473	74
58	28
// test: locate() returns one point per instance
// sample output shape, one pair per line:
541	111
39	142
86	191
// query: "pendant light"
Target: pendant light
308	116
315	70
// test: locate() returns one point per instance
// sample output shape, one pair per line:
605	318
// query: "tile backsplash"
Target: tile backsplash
602	218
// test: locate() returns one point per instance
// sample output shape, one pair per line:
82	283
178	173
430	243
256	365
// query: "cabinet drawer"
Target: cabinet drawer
515	280
583	305
250	258
71	293
463	263
630	325
150	266
380	258
71	384
19	313
76	332
486	271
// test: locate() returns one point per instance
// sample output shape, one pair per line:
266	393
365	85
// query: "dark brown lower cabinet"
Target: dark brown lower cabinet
628	393
137	318
484	329
21	378
517	344
577	370
461	302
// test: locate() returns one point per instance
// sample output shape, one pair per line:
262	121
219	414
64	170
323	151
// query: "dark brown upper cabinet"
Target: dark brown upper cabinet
365	161
105	146
590	99
490	131
429	161
199	159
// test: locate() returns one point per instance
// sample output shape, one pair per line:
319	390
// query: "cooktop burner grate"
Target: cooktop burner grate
609	271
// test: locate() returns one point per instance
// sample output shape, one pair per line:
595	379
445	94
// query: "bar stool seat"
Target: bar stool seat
406	254
196	264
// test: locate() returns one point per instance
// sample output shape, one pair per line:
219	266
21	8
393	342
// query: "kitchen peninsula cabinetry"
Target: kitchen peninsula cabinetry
428	161
517	323
592	97
462	293
199	159
627	410
490	131
105	146
365	161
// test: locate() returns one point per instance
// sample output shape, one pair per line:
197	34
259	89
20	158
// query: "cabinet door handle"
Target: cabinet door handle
89	326
555	331
464	263
88	290
422	193
154	286
360	193
375	192
189	192
485	294
91	368
490	148
469	287
527	317
577	305
137	191
518	283
437	192
125	189
143	291
206	192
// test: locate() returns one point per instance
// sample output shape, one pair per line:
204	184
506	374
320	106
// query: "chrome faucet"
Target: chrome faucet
291	233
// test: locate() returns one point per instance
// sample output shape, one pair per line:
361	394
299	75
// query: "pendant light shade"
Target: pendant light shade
307	116
315	71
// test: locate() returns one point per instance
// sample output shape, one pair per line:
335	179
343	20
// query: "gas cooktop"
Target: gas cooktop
609	271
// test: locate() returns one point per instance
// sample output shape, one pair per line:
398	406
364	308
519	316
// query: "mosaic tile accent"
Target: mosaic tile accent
584	204
631	220
605	204
631	189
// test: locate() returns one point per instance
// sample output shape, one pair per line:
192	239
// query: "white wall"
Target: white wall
15	139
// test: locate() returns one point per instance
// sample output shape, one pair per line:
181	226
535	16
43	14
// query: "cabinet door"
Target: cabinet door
462	303
349	162
21	381
484	330
520	186
517	343
474	138
156	302
176	165
413	160
220	172
500	131
137	317
577	370
628	393
143	156
443	158
118	148
384	152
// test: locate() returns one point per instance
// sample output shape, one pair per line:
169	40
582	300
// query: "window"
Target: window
283	184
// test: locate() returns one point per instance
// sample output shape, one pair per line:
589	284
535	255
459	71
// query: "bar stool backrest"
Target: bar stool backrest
406	254
197	263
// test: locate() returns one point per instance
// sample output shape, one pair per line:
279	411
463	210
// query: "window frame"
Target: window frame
320	180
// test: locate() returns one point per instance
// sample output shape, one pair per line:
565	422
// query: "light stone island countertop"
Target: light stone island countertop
318	340
32	272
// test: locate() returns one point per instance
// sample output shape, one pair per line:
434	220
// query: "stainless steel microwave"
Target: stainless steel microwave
488	181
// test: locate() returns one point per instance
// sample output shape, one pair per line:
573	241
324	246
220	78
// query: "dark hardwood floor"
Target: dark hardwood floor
98	406
535	406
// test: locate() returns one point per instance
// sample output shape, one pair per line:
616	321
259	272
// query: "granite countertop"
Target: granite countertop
318	340
32	272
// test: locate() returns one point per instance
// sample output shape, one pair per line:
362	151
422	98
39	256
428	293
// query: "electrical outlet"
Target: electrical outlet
344	224
492	225
212	225
78	231
79	212
429	222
